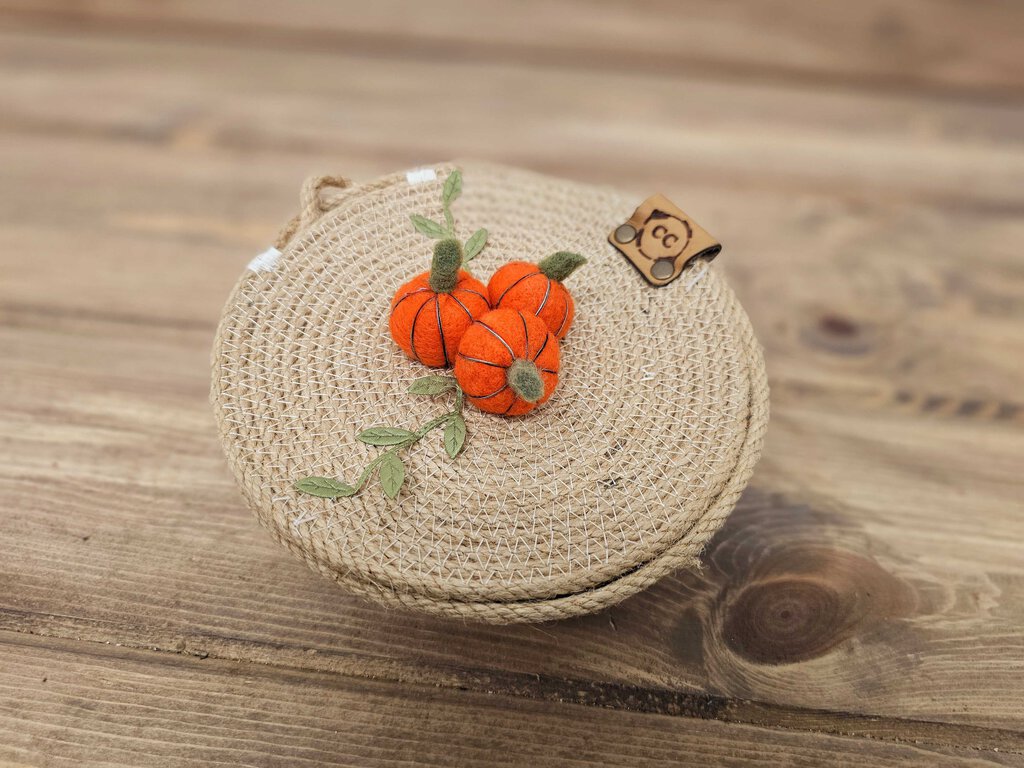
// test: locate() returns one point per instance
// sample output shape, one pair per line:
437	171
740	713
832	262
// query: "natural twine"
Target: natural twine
621	478
311	205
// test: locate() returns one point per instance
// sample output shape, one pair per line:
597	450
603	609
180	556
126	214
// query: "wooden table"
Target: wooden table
862	162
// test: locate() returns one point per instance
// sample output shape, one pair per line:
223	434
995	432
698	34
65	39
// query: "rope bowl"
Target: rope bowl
620	478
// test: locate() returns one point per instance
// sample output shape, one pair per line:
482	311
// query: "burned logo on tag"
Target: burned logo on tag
661	241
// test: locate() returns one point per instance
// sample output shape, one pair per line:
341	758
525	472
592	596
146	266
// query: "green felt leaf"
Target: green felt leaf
428	227
455	435
324	487
452	188
431	385
474	245
385	436
392	474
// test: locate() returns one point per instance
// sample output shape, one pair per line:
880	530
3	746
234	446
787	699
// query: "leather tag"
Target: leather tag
661	241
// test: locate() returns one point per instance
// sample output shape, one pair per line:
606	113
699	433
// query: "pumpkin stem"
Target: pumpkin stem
444	271
559	266
524	379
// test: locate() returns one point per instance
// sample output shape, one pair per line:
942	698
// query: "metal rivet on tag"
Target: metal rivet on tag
661	241
662	269
625	233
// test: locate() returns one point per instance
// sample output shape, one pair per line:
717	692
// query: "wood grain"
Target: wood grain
942	46
867	591
68	703
755	136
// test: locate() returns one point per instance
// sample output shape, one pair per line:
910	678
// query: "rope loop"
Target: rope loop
312	205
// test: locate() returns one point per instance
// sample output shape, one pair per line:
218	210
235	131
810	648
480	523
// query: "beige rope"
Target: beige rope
312	205
621	478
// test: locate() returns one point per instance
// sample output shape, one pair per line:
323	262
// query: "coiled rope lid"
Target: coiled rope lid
621	477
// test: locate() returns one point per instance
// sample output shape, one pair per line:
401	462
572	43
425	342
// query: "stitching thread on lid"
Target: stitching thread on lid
264	262
620	479
420	176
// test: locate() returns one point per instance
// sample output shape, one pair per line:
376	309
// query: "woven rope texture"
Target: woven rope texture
621	477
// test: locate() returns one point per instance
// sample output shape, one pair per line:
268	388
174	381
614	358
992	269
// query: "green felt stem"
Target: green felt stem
559	266
524	379
444	271
419	435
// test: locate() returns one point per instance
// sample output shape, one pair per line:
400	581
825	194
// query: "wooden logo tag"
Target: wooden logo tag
661	241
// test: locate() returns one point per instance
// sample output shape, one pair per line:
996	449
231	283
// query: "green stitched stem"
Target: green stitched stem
370	468
444	271
559	266
524	379
432	424
460	399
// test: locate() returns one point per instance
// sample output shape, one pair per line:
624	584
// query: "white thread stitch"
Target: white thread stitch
265	261
420	176
696	278
299	521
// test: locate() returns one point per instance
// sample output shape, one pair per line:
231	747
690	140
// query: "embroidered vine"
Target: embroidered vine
389	465
501	341
449	194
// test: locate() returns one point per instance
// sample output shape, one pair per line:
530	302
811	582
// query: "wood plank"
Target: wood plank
941	46
879	303
812	599
780	138
144	541
870	582
71	703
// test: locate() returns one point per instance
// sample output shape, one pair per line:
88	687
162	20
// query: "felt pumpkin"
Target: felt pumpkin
431	312
507	362
537	289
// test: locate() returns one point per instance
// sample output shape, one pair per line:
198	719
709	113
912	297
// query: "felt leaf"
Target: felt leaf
428	227
385	436
475	244
324	487
452	187
431	385
455	435
392	474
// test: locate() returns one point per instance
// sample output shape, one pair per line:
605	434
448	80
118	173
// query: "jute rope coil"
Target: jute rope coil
621	478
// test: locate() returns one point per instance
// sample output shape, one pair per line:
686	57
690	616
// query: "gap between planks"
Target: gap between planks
608	695
70	703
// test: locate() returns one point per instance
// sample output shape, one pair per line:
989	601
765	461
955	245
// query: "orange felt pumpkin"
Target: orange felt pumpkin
537	289
431	312
507	362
